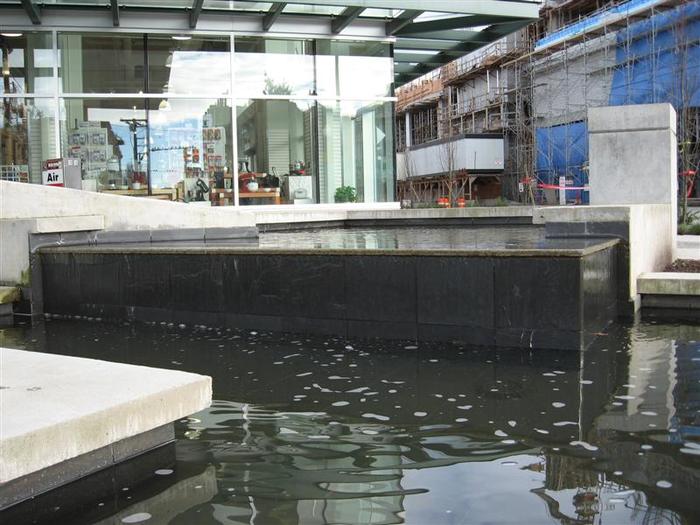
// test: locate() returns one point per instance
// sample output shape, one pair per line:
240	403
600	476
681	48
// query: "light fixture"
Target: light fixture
164	105
169	61
181	37
11	35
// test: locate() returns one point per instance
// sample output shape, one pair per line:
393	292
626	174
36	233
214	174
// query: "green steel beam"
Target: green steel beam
114	6
512	8
195	12
272	15
345	19
401	21
459	22
32	11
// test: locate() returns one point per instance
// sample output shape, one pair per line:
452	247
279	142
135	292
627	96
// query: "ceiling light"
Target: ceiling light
11	35
181	37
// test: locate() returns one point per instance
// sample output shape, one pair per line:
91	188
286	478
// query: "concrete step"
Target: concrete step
71	417
9	294
669	290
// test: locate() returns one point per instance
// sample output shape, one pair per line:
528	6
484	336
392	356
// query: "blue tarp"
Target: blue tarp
562	151
667	71
660	68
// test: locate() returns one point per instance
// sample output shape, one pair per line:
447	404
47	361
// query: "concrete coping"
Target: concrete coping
9	294
54	408
669	283
587	247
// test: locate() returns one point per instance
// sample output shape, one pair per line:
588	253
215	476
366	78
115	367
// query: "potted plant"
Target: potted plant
137	180
345	194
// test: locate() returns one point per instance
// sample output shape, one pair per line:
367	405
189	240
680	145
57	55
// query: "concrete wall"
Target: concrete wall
646	228
633	154
26	201
32	208
633	160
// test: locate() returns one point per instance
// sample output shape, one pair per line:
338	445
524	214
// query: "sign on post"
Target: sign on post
52	172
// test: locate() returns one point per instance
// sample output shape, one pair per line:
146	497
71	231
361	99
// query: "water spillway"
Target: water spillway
506	286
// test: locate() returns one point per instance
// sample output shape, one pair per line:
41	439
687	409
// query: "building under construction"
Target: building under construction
530	92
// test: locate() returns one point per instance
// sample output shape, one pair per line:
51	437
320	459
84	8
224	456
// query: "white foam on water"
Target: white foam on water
357	390
583	444
500	433
540	431
512	423
647	447
691	451
564	423
370	432
618	473
420	414
164	471
549	374
649	413
626	398
340	403
304	374
411	347
461	420
376	416
586	382
558	404
319	437
508	441
137	518
465	407
335	378
393	391
663	484
284	430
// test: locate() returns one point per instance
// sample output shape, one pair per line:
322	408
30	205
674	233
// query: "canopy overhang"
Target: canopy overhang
427	34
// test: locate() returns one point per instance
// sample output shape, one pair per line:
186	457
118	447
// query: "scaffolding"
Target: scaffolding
540	84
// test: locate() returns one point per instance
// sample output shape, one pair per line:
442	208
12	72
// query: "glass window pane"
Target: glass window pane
99	63
276	152
27	63
356	149
273	67
354	69
27	138
109	137
191	149
196	65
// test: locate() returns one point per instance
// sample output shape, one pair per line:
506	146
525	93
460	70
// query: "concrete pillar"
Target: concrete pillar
633	155
409	139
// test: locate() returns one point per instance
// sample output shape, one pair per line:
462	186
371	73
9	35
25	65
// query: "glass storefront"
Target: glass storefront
182	117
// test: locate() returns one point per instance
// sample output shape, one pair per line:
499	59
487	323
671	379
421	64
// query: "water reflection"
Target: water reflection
421	238
320	431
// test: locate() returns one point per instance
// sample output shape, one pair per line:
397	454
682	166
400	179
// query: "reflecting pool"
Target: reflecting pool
308	430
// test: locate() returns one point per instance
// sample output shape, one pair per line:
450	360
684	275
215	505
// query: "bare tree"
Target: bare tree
686	89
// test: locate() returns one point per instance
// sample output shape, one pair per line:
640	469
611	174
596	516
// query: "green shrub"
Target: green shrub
345	194
689	229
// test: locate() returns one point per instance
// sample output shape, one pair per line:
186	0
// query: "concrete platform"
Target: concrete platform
688	247
669	290
62	418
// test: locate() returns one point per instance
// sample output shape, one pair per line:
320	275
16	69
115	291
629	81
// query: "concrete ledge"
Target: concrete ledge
669	283
70	470
68	407
9	294
69	224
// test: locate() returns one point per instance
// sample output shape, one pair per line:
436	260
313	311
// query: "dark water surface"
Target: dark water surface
308	430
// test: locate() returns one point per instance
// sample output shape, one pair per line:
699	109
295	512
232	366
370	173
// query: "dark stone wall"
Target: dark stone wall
515	301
